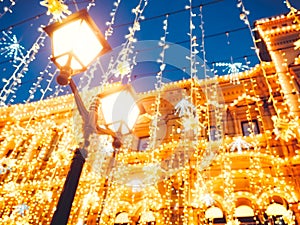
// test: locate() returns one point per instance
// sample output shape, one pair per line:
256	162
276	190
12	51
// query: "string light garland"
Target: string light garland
8	8
109	31
20	70
153	129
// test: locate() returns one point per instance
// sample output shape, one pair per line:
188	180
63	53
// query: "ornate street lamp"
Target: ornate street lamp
76	42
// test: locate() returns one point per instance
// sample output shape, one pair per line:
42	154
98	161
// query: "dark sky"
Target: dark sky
227	39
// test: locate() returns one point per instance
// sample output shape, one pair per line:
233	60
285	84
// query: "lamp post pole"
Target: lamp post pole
63	208
68	55
64	205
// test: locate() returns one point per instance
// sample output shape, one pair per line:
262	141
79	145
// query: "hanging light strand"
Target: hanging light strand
109	31
122	64
293	12
158	86
7	9
244	17
21	69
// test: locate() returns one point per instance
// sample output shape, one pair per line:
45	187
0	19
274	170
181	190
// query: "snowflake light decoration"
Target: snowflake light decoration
21	209
239	144
284	128
190	123
57	8
187	111
232	67
10	47
184	108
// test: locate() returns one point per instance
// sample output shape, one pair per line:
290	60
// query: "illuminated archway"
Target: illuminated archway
244	211
122	218
276	209
213	213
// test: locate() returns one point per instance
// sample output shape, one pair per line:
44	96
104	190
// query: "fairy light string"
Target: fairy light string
123	62
293	12
20	71
110	29
279	119
8	9
244	17
153	129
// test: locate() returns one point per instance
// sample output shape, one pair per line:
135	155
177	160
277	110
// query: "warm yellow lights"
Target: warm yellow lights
120	109
38	163
122	218
244	211
70	42
213	212
147	217
276	209
76	43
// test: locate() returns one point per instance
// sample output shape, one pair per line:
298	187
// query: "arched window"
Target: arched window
122	219
215	215
245	214
147	218
244	211
275	211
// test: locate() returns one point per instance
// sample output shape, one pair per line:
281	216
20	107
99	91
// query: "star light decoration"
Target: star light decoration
57	8
10	47
238	144
123	68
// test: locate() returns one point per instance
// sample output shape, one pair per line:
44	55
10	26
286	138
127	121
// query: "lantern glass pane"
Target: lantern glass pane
78	41
120	109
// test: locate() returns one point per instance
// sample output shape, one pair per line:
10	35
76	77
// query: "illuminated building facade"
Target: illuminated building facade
238	163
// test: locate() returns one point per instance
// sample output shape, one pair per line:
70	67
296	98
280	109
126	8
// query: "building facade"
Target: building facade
203	152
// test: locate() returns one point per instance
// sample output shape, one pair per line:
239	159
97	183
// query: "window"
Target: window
147	218
212	133
122	219
143	143
249	127
215	133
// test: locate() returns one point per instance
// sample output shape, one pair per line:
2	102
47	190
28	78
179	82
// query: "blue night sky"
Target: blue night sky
227	38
